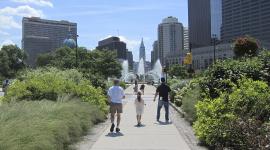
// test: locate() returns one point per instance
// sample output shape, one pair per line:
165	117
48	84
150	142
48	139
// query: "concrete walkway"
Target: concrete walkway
151	136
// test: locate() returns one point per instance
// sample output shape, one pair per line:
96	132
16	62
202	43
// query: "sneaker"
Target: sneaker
112	127
117	130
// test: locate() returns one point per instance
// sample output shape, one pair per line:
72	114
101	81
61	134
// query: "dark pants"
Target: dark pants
166	106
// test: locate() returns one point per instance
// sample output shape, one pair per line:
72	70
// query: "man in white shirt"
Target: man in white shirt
115	96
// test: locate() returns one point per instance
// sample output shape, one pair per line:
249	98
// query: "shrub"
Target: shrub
187	96
239	120
218	78
123	85
265	72
45	125
50	83
245	46
189	100
178	71
176	85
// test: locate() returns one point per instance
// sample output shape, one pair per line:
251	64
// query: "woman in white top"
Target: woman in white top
139	104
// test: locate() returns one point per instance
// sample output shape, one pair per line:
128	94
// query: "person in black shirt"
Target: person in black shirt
163	92
142	88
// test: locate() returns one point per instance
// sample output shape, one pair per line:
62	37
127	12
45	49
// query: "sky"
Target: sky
131	20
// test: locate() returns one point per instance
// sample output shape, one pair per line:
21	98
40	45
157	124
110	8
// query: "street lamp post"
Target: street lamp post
77	50
167	69
190	51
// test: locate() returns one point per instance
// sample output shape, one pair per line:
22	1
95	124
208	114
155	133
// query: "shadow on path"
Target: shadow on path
141	126
112	134
163	123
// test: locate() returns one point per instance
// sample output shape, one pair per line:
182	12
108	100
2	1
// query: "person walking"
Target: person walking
135	87
142	89
163	92
5	86
139	104
115	96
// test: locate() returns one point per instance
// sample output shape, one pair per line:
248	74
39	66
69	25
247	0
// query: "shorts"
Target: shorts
116	108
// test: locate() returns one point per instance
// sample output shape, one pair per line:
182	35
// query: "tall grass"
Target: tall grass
45	125
189	100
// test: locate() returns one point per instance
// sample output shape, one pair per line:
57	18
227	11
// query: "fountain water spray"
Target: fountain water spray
141	71
124	69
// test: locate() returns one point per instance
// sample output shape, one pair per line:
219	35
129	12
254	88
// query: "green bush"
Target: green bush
187	96
45	125
189	100
245	46
217	78
265	72
50	83
123	85
176	85
239	120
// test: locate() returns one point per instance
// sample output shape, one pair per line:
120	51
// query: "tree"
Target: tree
11	61
245	46
44	59
178	71
102	62
96	62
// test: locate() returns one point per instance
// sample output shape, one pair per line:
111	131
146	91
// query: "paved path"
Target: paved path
1	92
152	136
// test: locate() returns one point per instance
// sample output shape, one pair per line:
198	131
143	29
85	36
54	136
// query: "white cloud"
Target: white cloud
7	14
23	11
7	42
8	22
4	33
47	3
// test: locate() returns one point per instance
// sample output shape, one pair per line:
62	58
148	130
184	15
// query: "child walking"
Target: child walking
139	104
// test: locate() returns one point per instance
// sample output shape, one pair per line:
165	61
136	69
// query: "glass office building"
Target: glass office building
246	17
216	18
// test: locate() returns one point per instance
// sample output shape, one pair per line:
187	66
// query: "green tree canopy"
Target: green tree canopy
245	46
178	70
11	60
100	63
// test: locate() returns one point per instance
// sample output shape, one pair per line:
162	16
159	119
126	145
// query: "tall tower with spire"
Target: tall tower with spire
142	51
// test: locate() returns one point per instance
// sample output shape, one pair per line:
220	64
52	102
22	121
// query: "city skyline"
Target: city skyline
96	19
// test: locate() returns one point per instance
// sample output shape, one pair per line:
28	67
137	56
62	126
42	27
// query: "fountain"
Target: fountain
153	75
158	68
141	71
156	73
124	68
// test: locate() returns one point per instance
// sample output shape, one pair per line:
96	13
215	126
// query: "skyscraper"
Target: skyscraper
142	51
155	54
114	44
227	20
199	20
186	40
216	18
130	59
246	17
41	36
170	38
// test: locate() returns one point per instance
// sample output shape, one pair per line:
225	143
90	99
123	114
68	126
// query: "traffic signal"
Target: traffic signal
188	59
165	69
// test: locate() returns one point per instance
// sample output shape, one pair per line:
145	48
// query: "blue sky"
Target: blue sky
97	19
